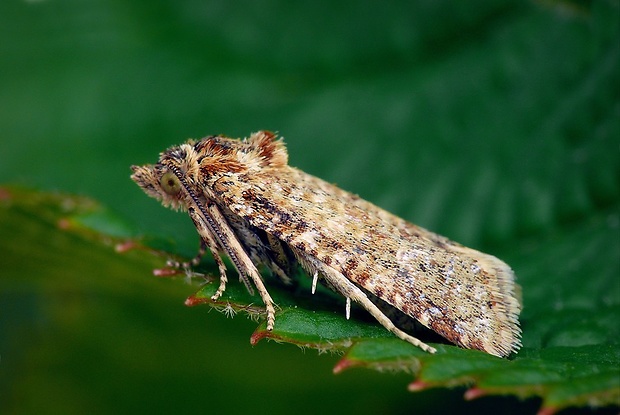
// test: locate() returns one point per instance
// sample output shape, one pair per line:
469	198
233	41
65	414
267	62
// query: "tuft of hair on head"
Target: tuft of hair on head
270	150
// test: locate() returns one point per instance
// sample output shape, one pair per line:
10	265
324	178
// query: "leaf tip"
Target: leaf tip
192	300
5	193
165	272
417	386
343	365
126	246
257	336
547	410
474	393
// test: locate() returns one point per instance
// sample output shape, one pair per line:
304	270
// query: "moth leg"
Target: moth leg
194	261
201	252
279	259
347	311
315	279
223	277
279	272
212	224
212	244
352	292
207	240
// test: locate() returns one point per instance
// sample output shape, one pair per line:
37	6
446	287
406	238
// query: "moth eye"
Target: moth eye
170	183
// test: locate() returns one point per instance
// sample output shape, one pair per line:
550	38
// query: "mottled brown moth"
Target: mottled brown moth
249	204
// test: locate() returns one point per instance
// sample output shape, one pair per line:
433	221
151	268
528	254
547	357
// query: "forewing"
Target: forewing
462	294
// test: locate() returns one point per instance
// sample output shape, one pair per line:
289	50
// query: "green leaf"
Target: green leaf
569	342
495	123
577	366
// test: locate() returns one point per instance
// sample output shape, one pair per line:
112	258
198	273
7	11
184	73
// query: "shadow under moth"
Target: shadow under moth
249	204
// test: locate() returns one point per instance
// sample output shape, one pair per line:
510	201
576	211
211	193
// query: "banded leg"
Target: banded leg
208	240
350	291
193	262
212	224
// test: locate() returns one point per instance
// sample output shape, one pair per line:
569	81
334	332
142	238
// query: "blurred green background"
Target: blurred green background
485	121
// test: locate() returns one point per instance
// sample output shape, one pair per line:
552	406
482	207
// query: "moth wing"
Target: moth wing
464	295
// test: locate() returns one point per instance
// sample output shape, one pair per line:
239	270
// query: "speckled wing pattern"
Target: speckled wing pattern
462	294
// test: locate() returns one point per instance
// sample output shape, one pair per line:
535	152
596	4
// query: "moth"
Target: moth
247	203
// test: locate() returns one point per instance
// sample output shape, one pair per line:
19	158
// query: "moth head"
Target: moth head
161	183
182	171
170	180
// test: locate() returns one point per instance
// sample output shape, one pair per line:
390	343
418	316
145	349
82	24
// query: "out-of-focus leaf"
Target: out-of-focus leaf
495	123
